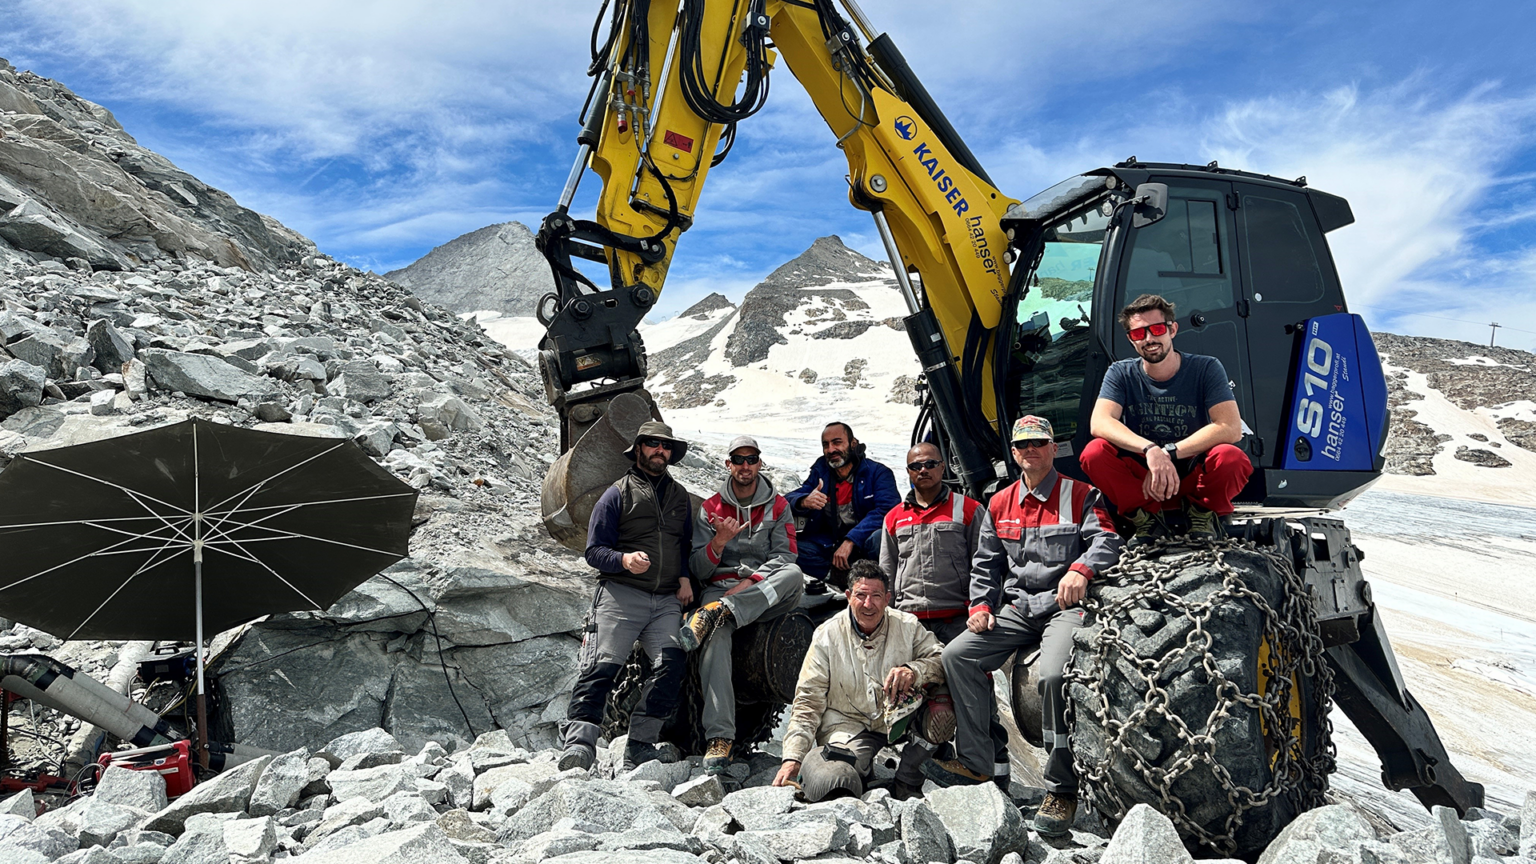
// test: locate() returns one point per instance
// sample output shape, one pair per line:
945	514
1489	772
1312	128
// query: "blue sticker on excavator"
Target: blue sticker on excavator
1339	398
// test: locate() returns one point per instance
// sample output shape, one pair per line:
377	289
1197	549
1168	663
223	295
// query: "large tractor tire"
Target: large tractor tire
1199	687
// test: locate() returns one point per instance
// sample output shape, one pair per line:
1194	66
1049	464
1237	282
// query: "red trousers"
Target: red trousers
1211	482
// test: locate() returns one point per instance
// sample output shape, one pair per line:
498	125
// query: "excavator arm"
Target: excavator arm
664	99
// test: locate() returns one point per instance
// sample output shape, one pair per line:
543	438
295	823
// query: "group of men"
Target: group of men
941	588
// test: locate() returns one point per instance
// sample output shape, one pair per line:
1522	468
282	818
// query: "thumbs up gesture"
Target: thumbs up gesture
817	499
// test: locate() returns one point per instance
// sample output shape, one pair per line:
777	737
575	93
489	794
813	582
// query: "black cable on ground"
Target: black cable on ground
432	619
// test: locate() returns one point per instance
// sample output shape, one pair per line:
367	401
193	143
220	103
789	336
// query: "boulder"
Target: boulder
759	807
1321	835
419	844
608	805
667	774
58	354
374	784
1528	826
486	607
360	381
205	377
112	350
89	855
702	791
21	386
654	856
18	834
21	804
141	790
280	785
806	838
201	842
407	808
348	813
516	780
250	841
983	823
448	411
102	821
458	825
35	228
103	402
229	792
1457	844
924	835
1145	836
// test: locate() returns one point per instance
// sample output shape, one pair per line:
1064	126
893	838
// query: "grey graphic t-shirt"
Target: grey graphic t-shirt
1167	411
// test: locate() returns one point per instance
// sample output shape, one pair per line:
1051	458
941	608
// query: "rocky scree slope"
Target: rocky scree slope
133	295
495	268
75	187
1499	382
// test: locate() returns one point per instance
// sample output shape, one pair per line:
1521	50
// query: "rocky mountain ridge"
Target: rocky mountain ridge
495	268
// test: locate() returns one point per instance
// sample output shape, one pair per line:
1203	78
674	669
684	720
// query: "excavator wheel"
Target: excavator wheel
1026	702
1199	687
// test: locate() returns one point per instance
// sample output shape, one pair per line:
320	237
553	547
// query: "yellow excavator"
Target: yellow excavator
1012	311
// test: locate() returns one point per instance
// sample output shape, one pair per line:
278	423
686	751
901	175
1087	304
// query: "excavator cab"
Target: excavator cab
1244	259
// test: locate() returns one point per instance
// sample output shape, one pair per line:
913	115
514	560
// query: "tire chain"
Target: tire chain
1298	652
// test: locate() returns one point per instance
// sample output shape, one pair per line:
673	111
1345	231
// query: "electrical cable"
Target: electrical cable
432	620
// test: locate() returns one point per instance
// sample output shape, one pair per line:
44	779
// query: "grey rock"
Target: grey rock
205	377
668	774
1319	835
407	808
458	825
201	843
642	839
17	855
35	228
103	402
17	833
375	438
1490	839
250	841
90	855
654	856
319	769
111	349
21	804
680	815
1458	845
273	412
21	386
280	785
701	791
485	607
983	823
609	805
347	814
58	354
504	786
366	741
375	784
142	790
419	844
759	807
450	411
1145	836
102	821
552	844
806	838
748	848
924	835
229	792
360	381
713	826
460	782
359	761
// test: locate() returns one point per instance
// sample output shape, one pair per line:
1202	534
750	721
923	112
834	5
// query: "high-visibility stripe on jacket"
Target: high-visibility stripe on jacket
927	551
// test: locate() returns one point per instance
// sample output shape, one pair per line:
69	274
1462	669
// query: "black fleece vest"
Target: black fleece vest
654	527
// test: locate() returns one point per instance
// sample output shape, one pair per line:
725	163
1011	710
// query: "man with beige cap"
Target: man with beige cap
747	567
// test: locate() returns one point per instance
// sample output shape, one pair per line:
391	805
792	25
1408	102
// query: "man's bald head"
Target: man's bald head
928	478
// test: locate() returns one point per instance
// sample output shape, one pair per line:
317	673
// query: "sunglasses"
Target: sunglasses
1140	333
657	442
1030	444
925	464
745	459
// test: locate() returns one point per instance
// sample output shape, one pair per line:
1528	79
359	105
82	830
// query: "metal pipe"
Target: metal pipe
569	192
661	85
902	281
860	19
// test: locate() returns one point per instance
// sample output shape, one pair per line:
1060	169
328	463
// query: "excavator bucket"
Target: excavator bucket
578	478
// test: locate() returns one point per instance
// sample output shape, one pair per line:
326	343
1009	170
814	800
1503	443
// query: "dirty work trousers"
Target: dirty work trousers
622	615
946	630
1211	479
775	595
969	658
818	773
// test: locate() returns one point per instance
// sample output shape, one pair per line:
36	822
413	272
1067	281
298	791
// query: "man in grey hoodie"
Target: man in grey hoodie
747	567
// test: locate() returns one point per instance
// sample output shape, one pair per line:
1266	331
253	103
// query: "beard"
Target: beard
1154	353
837	458
657	463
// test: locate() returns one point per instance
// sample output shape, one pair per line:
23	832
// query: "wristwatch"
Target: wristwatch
1172	450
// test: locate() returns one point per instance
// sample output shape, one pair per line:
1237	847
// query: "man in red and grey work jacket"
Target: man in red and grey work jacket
1042	539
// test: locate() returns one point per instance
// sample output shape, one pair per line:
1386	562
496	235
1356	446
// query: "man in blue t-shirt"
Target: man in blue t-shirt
1164	429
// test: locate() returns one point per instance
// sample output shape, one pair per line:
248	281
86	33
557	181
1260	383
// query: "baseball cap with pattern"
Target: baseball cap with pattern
1032	428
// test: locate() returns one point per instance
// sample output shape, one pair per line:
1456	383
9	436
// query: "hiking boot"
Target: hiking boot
702	624
952	772
1149	527
578	756
939	722
1204	524
638	753
901	790
718	757
1054	819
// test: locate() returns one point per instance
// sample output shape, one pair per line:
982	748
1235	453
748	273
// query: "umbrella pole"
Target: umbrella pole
202	703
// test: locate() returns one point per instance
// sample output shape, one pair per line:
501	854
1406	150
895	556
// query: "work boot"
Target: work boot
901	790
1148	528
702	624
718	757
578	756
1204	525
952	772
1054	819
939	724
638	753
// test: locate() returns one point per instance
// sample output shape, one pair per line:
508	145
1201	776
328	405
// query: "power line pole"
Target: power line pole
1494	329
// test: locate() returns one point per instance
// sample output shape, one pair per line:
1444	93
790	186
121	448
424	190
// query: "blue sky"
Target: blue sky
382	129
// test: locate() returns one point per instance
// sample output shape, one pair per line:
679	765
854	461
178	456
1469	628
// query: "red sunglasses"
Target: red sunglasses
1140	333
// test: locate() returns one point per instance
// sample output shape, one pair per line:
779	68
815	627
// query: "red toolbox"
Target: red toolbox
173	762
